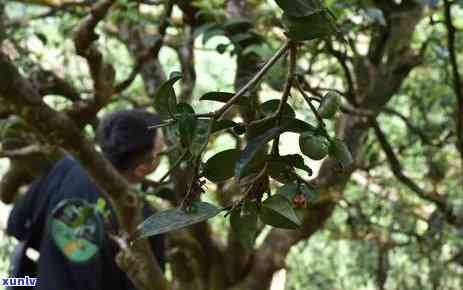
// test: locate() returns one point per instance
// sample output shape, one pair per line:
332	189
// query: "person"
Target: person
127	142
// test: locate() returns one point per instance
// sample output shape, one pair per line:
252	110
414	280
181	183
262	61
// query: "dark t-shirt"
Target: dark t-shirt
66	180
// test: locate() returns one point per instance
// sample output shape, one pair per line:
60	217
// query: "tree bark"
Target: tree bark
59	130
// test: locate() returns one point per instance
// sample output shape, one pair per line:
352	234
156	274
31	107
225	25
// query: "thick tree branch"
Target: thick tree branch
151	53
59	130
398	172
457	82
422	135
48	83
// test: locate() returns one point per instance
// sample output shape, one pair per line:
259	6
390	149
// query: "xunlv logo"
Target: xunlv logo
25	282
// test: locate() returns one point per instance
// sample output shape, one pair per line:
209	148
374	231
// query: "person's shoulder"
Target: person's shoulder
67	162
73	177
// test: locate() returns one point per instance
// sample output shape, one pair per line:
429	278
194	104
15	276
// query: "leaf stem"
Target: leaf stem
312	107
177	163
286	92
220	112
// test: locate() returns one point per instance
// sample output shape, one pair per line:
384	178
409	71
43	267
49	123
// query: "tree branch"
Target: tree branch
397	170
151	53
220	112
103	74
457	82
59	130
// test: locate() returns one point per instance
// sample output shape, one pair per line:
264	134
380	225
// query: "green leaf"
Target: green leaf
289	190
224	97
316	25
276	78
165	99
296	125
184	108
240	37
280	171
252	148
204	28
236	23
219	167
187	129
201	136
289	124
270	107
295	160
222	125
261	126
299	8
278	212
316	147
186	123
329	105
210	33
259	50
174	219
341	153
244	223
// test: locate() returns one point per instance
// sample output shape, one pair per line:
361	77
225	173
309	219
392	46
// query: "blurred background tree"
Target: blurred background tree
393	220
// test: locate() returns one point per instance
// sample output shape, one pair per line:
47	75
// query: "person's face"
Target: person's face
147	167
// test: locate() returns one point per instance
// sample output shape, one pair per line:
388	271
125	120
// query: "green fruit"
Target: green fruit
341	153
329	105
313	146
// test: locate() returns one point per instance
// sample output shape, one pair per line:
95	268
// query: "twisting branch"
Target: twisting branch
410	126
18	93
151	53
85	33
457	82
342	59
397	170
103	74
48	83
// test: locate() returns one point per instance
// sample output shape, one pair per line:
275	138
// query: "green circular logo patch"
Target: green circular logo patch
76	229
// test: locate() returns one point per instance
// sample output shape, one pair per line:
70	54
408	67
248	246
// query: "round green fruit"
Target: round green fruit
313	146
329	105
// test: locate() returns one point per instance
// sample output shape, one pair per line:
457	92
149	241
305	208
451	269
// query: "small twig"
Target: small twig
160	125
457	81
286	93
220	112
289	80
312	107
187	199
176	163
